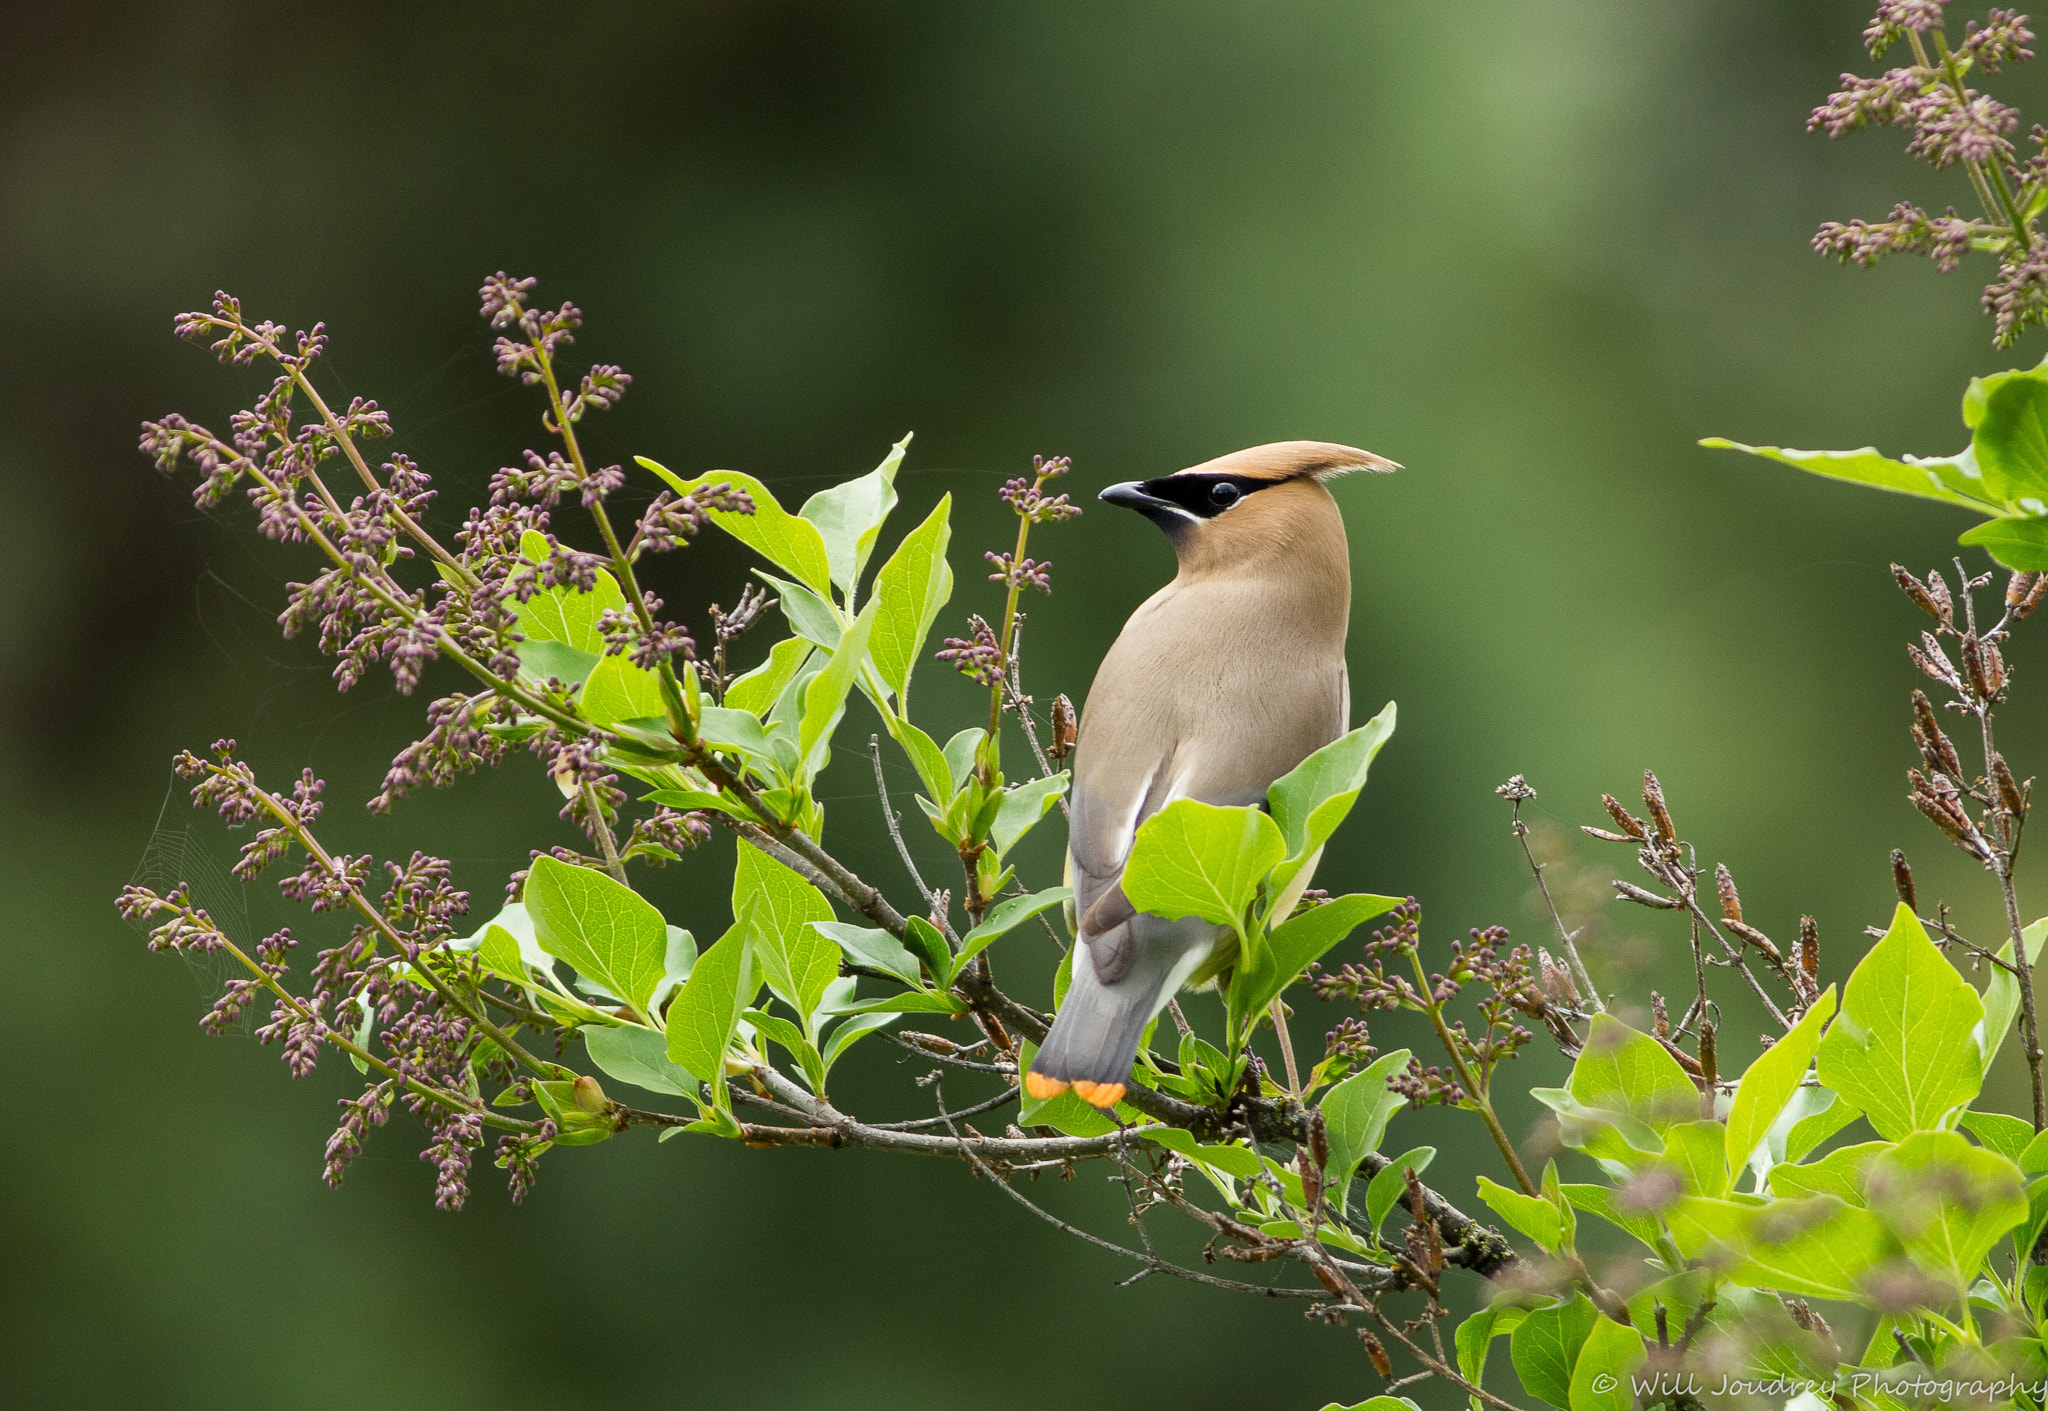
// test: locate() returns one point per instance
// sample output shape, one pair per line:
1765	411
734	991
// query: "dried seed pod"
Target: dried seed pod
1758	939
2016	588
1653	799
1932	660
1381	1363
1629	891
2033	598
1731	900
1938	800
1603	835
1318	1137
1937	589
1993	663
1557	981
1311	1173
1809	958
1936	749
1063	728
1624	820
1709	1074
1917	591
2010	794
1660	1021
1902	879
1972	653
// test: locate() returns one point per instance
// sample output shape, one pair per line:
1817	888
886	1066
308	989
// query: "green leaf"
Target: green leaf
1239	1161
930	944
1475	1337
756	691
1004	917
849	515
1607	1363
701	1021
1387	1188
1696	1150
618	690
1545	1348
2002	994
911	588
1375	1403
782	909
2011	440
1620	1143
1023	806
2019	542
811	617
1625	1070
543	660
1532	1215
1355	1114
877	950
1813	1128
771	531
915	1002
734	731
1903	1048
1195	859
851	1031
1949	479
640	1057
2034	1160
825	698
563	614
959	755
1818	1246
1770	1083
925	757
1946	1200
1839	1174
1299	943
1603	1202
1311	799
607	931
2008	1136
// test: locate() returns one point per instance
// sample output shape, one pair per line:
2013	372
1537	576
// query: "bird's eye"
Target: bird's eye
1223	494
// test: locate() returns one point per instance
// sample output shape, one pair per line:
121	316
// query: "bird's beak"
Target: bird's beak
1132	496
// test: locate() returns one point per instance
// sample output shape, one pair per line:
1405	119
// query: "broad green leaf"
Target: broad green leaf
1355	1115
543	660
913	1002
959	756
1387	1189
811	617
1295	945
849	515
826	696
734	730
877	950
1603	1202
1625	1070
640	1057
2011	441
1545	1347
1023	806
1005	916
2008	1136
911	588
1623	1145
1681	1294
701	1021
1195	859
607	931
1532	1215
2002	994
1770	1083
1818	1246
618	690
851	1031
771	531
783	908
1946	1200
1839	1174
1696	1151
1609	1360
1903	1048
756	691
925	757
2034	1160
1933	478
2019	541
1475	1337
1375	1403
1310	800
563	614
1239	1161
1812	1128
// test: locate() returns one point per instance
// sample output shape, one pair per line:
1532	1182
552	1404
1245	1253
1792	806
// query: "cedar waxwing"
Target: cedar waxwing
1220	683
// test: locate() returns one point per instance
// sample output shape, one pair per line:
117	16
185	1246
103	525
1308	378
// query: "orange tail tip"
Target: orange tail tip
1102	1095
1043	1088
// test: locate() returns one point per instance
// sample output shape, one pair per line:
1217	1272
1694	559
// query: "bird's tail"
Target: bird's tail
1095	1035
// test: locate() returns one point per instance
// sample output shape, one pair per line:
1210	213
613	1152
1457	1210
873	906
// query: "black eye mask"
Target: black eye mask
1176	500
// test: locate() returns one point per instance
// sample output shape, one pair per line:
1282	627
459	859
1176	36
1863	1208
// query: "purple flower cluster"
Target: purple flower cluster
979	656
1952	124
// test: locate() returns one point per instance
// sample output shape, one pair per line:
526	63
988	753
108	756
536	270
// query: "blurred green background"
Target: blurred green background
1531	250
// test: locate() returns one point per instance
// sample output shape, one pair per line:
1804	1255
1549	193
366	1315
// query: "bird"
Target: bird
1219	684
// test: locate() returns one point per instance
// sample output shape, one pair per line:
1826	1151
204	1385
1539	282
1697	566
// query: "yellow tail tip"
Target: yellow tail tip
1103	1095
1043	1088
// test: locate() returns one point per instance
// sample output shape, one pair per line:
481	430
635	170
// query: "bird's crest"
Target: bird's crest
1291	460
